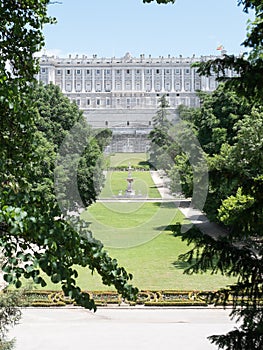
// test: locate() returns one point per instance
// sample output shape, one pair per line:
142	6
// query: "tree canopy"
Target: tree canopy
228	125
34	234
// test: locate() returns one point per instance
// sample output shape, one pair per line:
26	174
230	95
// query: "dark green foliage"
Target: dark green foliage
229	128
34	234
57	117
249	67
9	316
161	147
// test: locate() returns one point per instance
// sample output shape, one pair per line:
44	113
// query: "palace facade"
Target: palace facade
123	93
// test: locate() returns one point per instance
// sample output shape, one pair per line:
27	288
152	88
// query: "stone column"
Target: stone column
192	79
207	83
152	90
182	87
122	79
93	80
63	81
133	72
83	80
202	82
143	79
172	88
73	80
102	79
162	88
113	79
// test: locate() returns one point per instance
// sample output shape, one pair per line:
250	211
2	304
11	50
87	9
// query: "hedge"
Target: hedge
45	298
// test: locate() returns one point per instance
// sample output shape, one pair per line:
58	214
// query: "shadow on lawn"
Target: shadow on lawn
174	228
176	232
181	265
166	205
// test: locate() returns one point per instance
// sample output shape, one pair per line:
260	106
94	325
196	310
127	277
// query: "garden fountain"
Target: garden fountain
129	191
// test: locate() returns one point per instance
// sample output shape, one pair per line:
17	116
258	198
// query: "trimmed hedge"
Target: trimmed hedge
44	298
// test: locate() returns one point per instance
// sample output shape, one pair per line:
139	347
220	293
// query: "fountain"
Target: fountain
129	191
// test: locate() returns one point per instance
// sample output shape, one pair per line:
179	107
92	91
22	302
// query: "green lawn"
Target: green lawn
116	181
137	235
148	249
122	225
127	158
154	266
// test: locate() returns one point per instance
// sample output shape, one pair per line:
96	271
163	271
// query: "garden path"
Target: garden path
196	216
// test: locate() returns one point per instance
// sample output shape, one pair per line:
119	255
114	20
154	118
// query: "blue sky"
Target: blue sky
113	27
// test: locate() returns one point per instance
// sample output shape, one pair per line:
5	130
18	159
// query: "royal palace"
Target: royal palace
122	93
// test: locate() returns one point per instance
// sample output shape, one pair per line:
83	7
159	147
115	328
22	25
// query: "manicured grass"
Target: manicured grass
154	266
127	158
137	235
122	225
116	181
149	251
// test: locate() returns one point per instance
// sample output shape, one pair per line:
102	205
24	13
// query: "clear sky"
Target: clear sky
113	27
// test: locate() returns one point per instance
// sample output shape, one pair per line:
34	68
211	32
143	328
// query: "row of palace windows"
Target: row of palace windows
118	71
128	86
108	101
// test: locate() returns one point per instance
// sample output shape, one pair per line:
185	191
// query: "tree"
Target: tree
9	316
56	117
249	66
34	235
159	151
235	201
229	128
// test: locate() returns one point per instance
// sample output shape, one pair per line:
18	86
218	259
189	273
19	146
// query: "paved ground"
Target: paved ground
196	216
120	329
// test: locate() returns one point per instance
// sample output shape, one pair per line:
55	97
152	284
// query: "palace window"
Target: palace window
68	86
98	87
108	87
78	86
88	86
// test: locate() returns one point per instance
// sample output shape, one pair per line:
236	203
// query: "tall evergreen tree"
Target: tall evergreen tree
229	128
160	142
34	235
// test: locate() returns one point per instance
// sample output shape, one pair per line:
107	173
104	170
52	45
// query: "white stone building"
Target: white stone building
123	93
